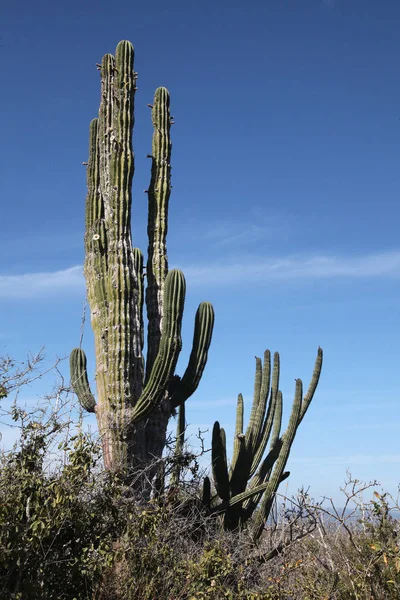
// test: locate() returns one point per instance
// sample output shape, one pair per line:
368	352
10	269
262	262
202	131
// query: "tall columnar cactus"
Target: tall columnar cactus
134	400
250	481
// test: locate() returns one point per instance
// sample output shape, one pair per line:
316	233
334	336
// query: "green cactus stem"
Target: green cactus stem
134	403
251	480
204	323
180	440
280	464
158	198
206	494
219	462
79	380
169	348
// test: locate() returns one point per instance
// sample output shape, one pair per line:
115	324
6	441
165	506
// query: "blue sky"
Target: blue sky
284	210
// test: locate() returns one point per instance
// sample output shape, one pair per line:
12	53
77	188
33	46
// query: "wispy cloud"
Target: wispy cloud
38	243
257	226
225	233
38	285
385	264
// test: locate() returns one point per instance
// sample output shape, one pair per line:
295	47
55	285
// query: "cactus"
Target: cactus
79	379
178	452
134	400
239	498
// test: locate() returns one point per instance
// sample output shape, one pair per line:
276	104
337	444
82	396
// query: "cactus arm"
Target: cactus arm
169	348
239	468
263	424
263	474
79	379
266	378
238	499
262	405
241	465
270	419
138	267
180	438
275	375
265	431
252	425
204	323
239	436
269	422
180	429
94	204
275	440
206	493
96	266
313	384
280	464
248	494
257	382
158	200
240	471
239	415
256	490
245	497
277	420
223	440
219	462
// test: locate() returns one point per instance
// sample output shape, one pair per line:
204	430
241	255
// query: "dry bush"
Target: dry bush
70	531
352	554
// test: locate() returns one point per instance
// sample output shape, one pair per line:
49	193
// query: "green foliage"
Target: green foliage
55	531
215	575
77	533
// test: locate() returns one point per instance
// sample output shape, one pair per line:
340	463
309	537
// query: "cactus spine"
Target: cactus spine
134	403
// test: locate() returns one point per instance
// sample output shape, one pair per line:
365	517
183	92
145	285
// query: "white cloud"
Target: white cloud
37	285
265	227
282	269
385	264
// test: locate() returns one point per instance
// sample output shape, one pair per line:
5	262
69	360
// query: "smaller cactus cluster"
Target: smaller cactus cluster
251	481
